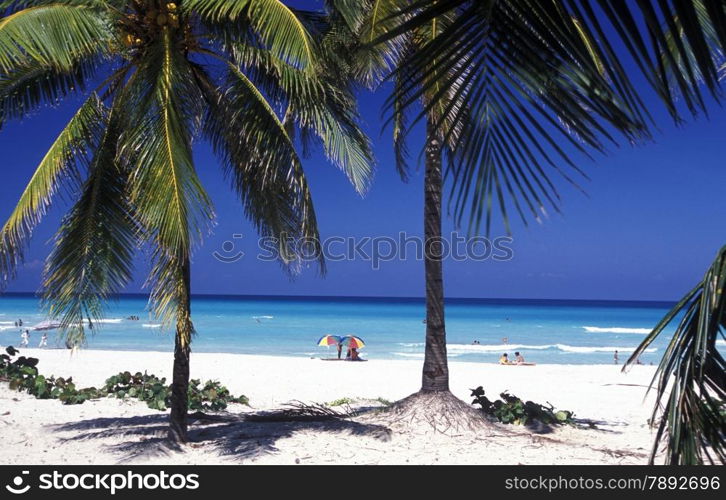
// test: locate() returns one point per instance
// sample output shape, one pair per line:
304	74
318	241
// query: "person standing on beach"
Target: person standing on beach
340	350
43	341
615	357
24	338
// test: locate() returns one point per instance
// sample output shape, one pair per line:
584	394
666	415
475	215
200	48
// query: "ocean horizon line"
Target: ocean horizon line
398	299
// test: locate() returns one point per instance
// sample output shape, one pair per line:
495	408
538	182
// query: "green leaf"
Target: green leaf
690	380
60	163
278	26
55	35
91	259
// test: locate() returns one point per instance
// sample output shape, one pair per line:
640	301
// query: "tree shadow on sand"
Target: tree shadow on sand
243	437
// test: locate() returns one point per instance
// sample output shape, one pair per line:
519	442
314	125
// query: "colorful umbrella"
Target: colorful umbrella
353	341
327	340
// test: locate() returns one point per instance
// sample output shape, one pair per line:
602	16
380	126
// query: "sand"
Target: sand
111	431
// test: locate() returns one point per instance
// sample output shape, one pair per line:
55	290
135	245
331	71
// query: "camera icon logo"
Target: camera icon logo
17	487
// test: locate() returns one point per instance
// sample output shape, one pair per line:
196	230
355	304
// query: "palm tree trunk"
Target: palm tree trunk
435	369
180	376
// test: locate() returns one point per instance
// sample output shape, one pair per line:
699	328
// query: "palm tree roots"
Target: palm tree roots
431	411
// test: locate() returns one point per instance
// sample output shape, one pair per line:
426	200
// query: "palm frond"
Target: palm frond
92	256
684	57
55	35
657	57
351	12
376	54
321	104
261	161
31	84
269	207
400	119
170	203
537	83
511	81
277	25
73	146
691	376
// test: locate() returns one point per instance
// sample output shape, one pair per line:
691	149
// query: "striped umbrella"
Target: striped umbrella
353	341
328	340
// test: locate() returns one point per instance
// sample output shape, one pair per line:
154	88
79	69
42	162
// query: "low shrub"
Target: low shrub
211	396
341	402
512	410
148	388
22	375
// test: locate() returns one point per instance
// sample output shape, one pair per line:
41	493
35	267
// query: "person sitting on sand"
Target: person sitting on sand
518	358
353	355
504	360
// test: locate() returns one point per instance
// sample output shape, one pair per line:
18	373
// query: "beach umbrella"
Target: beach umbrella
353	341
328	340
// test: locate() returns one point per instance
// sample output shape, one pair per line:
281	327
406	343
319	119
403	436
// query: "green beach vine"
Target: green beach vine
21	374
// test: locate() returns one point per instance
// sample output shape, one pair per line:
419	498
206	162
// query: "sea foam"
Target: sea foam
481	348
615	329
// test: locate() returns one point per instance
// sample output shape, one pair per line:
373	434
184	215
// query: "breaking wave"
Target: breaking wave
616	329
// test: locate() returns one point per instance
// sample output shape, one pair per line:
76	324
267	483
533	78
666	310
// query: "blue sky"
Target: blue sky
647	229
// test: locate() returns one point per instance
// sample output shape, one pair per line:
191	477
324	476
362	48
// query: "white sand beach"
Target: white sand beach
111	431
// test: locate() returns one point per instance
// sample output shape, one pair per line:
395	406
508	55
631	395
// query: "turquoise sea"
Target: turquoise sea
544	331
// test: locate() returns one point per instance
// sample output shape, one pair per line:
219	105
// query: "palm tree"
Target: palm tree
534	72
521	57
374	63
691	377
245	75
